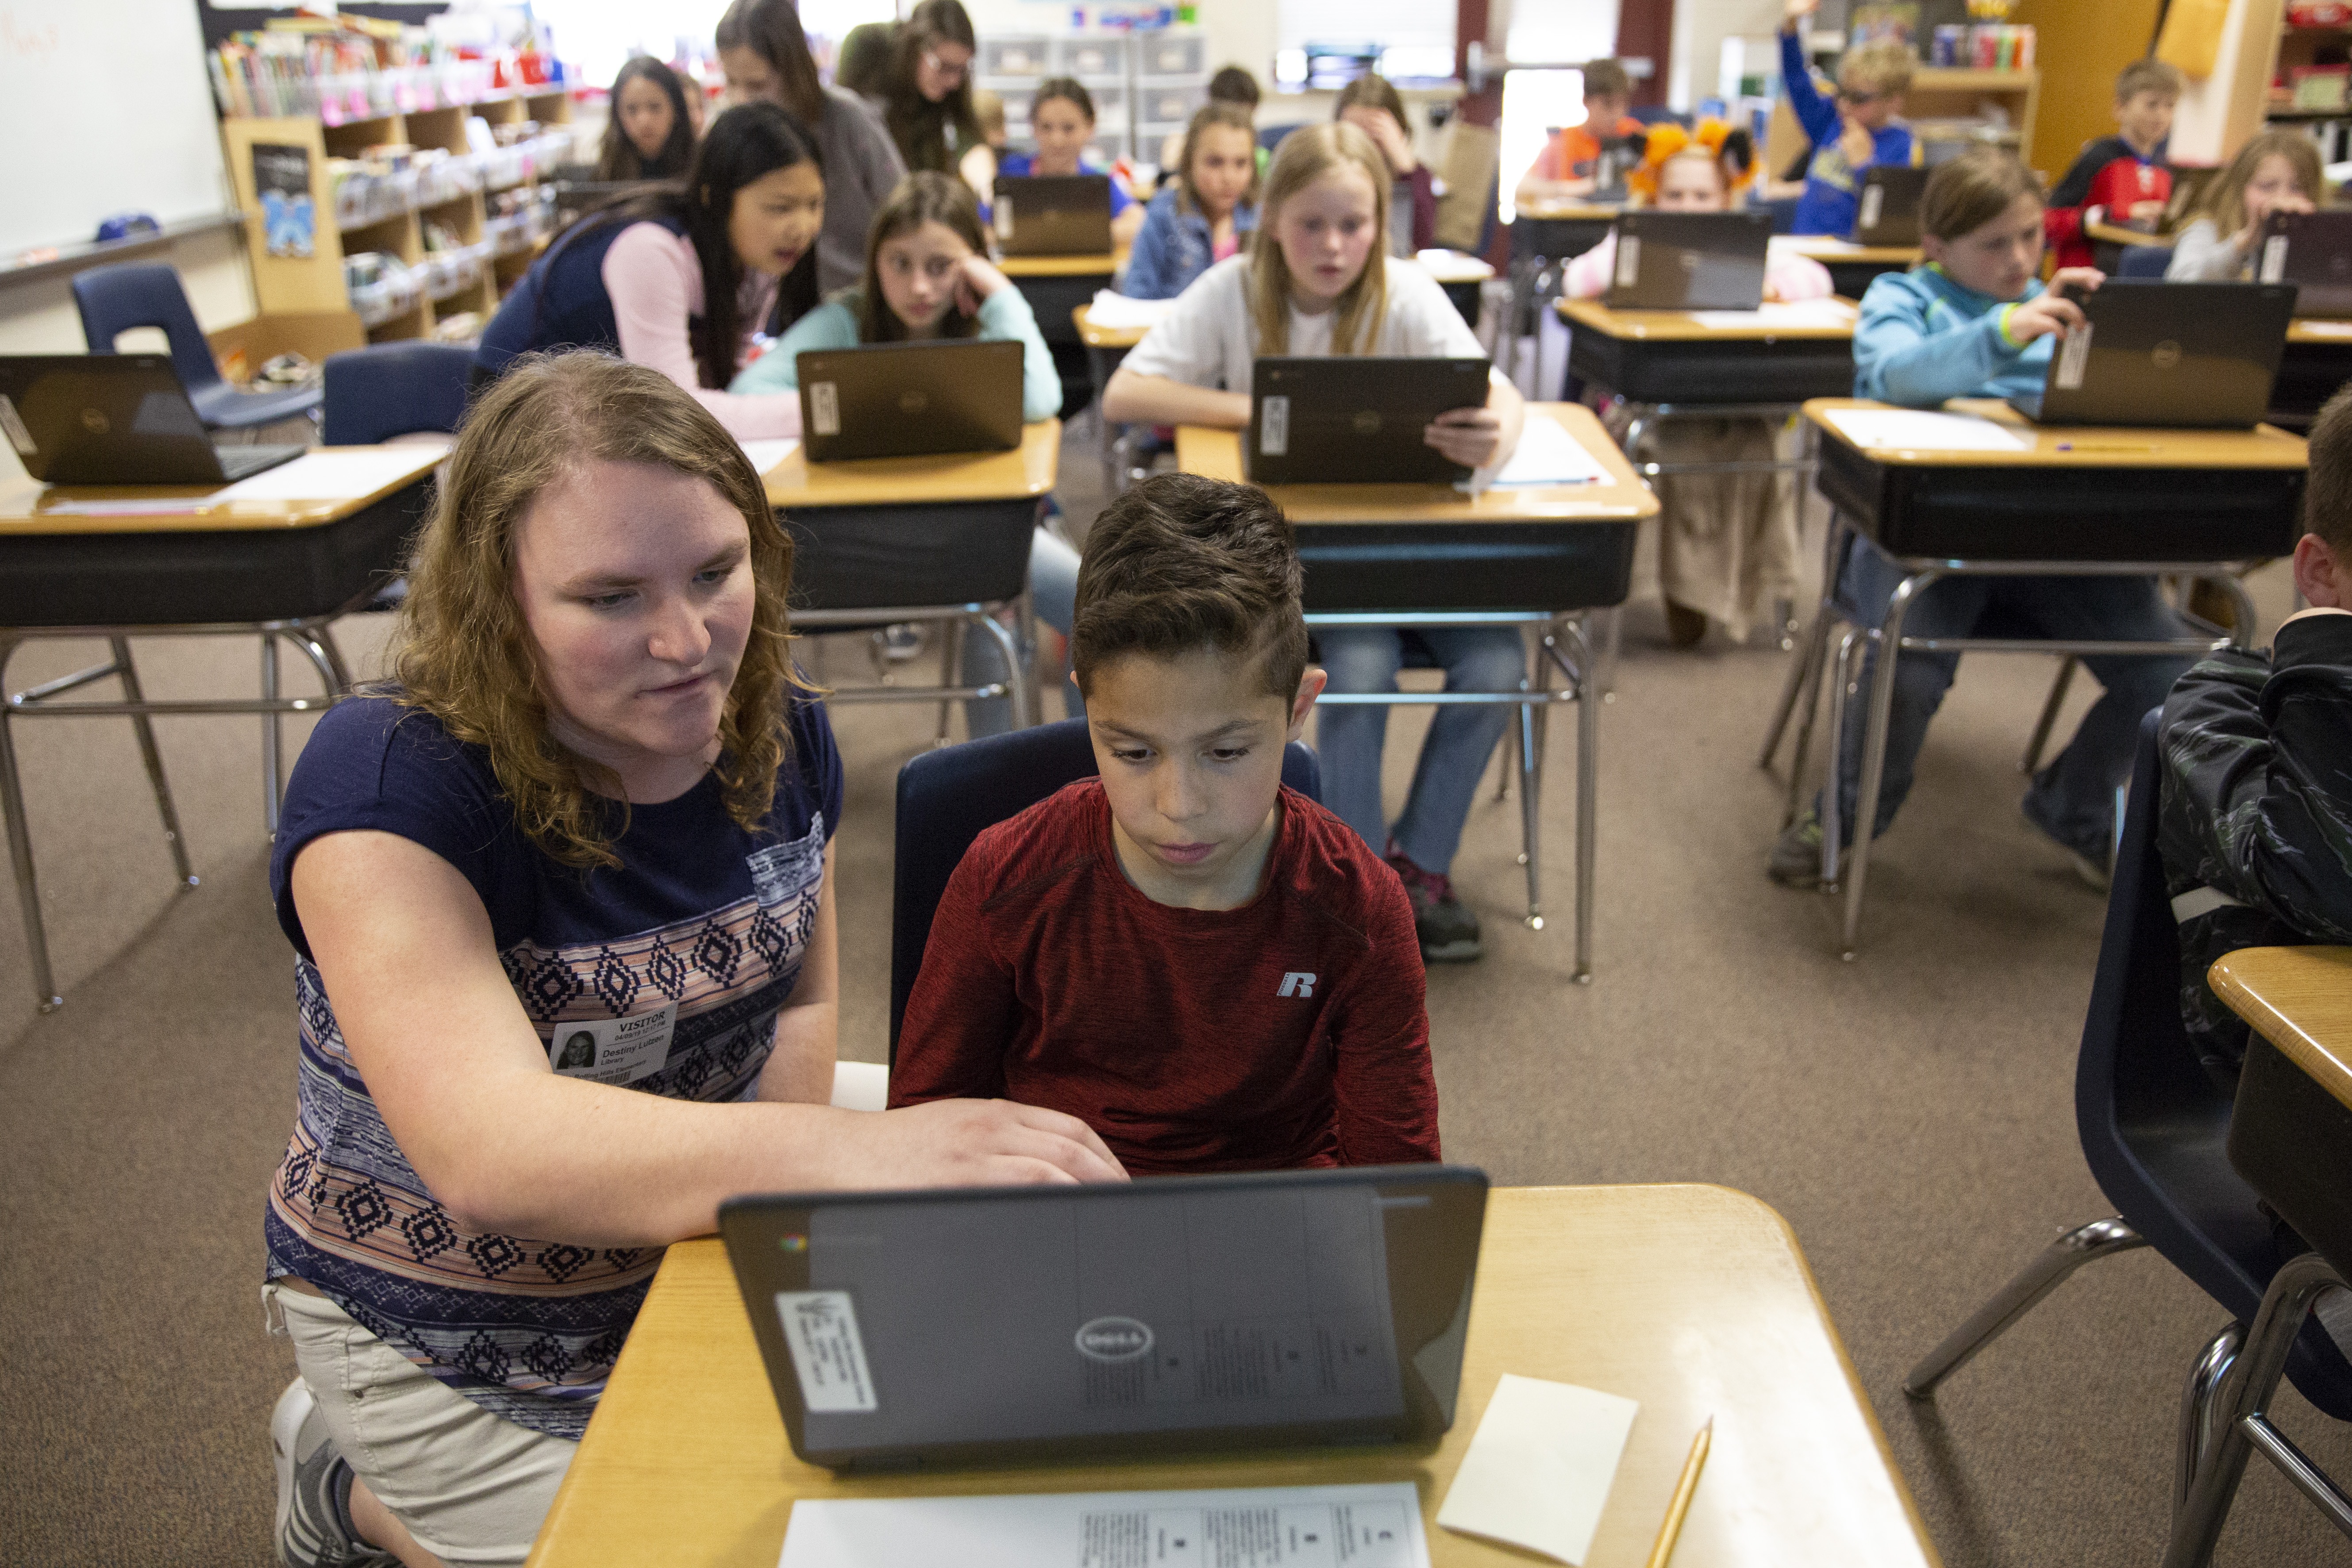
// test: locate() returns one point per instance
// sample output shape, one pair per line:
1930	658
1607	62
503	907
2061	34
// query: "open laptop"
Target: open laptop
1349	419
1690	261
997	1324
115	419
1052	215
1886	212
2313	252
2181	355
911	400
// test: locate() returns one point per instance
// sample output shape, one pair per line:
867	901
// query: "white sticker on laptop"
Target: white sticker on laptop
1004	216
613	1050
19	436
824	408
821	1332
1274	427
2274	259
2073	356
1873	197
1629	259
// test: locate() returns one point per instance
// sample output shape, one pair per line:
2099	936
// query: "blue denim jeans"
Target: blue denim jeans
1453	757
1054	594
2072	797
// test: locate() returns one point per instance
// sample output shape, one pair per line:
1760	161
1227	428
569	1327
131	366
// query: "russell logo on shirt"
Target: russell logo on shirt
1296	983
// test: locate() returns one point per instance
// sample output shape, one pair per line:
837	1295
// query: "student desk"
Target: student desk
2291	1129
2109	242
939	539
1851	265
1055	286
1695	1300
1107	348
1544	237
275	569
2078	502
1427	555
1460	275
2317	359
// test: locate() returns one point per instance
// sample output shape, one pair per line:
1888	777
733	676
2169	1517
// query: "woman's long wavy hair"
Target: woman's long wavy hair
466	655
1304	156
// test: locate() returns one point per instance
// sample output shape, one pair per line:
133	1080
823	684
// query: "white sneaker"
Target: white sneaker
310	1532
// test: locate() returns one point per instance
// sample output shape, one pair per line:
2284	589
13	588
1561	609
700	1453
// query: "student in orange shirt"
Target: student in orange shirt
1563	169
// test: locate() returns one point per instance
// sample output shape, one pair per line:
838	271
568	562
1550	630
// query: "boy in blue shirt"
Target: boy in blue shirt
1855	132
1973	321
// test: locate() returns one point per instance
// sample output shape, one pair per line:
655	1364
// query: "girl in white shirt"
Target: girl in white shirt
2277	172
1316	281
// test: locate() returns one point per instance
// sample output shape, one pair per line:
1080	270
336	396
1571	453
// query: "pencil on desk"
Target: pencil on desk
1672	1527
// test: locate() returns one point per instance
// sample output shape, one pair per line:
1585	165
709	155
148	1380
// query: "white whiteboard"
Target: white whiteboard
105	108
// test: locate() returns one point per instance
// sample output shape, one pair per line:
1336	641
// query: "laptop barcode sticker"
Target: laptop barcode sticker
1873	197
821	1332
19	436
1004	217
1629	259
2274	259
1274	427
824	408
2073	357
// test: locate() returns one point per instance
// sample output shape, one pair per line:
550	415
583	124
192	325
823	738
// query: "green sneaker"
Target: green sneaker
1796	858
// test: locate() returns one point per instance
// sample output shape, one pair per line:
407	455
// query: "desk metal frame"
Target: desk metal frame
1024	691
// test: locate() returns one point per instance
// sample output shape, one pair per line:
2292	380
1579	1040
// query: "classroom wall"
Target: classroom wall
1700	28
38	317
2079	48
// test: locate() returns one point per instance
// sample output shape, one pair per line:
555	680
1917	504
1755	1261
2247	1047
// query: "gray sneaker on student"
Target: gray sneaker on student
313	1490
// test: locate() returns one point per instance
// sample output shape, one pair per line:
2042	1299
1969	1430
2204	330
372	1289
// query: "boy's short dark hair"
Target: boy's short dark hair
1231	84
2327	493
2157	76
1179	563
1607	79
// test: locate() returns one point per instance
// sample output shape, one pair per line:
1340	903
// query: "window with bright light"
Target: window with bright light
1535	104
599	35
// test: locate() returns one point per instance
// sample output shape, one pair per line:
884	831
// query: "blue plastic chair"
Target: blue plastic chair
394	389
115	300
2154	1127
949	796
2144	261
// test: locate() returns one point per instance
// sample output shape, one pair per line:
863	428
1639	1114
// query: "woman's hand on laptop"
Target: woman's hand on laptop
976	281
1465	435
975	1143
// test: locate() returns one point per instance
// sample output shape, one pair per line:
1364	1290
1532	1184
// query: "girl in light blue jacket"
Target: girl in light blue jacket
1204	215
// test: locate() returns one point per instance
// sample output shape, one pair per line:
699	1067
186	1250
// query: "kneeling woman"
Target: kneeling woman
681	279
563	911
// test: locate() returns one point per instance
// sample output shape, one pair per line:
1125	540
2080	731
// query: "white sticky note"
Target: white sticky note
766	455
1540	1467
821	1332
332	474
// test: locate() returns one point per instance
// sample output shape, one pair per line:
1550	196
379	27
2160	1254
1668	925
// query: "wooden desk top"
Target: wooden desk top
2300	999
1028	470
1217	454
1693	1300
1683	326
1062	266
1095	337
1454	267
25	507
2083	446
1570	212
2114	234
1830	248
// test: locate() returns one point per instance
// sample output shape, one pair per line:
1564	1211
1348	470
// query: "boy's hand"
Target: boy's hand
1793	15
1465	435
2146	211
1857	144
2041	315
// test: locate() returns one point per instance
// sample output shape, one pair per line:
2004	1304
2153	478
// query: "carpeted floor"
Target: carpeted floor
1910	1114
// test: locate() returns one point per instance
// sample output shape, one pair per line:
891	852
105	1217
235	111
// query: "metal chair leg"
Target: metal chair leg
2083	1244
144	727
2245	1425
1588	801
951	673
1873	751
2032	762
1805	688
20	852
273	777
1016	688
2200	1405
1832	750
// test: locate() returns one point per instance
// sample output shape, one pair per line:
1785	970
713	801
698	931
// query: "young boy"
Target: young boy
1855	132
2256	831
2119	178
1564	169
1976	321
1212	972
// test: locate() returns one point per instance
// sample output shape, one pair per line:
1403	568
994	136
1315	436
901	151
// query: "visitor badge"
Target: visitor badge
613	1050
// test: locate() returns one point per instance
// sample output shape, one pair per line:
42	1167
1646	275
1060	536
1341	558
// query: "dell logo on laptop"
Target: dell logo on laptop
94	422
2165	354
1367	421
913	403
1114	1339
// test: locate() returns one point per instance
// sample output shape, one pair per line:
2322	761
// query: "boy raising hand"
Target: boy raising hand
1209	969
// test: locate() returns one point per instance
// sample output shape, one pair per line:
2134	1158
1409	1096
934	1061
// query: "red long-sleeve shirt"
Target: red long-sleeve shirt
1290	1031
2109	173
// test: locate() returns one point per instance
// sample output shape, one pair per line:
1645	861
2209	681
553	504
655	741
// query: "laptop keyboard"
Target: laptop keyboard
237	462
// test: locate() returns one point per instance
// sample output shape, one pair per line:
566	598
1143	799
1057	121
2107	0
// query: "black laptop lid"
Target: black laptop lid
2177	355
994	1325
1349	419
1888	211
1052	215
2313	252
1690	261
911	400
103	419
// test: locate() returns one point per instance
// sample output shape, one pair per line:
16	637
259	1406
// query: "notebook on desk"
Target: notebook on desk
2173	355
1052	215
911	400
1689	261
1350	420
115	419
1886	212
2313	252
990	1325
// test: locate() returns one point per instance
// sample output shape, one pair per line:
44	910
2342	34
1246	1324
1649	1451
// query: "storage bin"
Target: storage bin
1021	56
1162	105
1093	57
1171	54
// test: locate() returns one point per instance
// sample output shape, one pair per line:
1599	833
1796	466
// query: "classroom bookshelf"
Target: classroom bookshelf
493	205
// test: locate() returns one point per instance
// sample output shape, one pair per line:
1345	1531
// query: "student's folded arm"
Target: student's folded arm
649	274
1384	1085
962	1014
1133	398
808	1026
829	325
1005	315
1817	114
1896	361
1147	263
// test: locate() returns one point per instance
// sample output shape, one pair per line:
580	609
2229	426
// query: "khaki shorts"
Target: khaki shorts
471	1486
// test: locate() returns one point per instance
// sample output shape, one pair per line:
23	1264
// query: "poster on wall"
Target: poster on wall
281	180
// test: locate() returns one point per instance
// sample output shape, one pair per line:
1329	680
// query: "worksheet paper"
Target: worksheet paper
1109	309
1548	455
1920	431
1540	1467
333	475
1781	313
766	455
1253	1527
